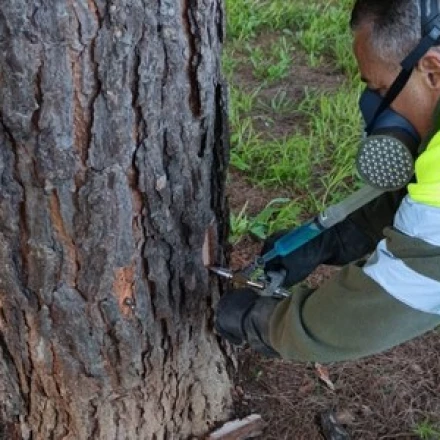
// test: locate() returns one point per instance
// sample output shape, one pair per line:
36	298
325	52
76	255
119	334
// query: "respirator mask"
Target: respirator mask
385	158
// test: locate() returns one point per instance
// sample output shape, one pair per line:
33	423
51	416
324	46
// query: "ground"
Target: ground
394	395
382	397
387	396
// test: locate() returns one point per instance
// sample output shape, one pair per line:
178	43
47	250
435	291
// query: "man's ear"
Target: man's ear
429	66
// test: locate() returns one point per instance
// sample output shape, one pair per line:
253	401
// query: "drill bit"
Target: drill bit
236	277
222	272
239	278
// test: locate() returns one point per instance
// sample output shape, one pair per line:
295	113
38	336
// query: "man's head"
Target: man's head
385	32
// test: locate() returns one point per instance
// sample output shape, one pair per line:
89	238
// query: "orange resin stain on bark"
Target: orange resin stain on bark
70	263
123	286
81	117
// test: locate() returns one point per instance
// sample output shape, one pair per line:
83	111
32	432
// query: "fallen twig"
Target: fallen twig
239	429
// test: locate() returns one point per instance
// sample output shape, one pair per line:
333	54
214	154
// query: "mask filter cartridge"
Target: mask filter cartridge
385	157
385	162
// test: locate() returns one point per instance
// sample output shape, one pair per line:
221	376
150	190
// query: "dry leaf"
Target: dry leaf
345	417
417	369
366	410
324	375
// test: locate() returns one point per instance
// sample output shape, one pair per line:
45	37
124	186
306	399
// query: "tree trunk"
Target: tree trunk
113	140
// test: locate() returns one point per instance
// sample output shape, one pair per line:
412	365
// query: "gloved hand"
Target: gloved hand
243	316
338	245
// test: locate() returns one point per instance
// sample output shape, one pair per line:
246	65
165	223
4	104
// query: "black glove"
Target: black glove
338	245
243	316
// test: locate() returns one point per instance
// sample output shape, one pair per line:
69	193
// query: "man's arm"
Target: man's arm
349	317
343	243
375	216
364	309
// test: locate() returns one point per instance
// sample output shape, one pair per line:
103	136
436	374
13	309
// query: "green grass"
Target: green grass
427	431
278	214
323	149
320	27
241	104
328	33
276	162
245	18
272	66
316	156
279	104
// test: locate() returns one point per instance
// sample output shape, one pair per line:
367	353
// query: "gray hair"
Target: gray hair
395	24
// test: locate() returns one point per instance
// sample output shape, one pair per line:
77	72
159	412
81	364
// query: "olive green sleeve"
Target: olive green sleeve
347	318
378	214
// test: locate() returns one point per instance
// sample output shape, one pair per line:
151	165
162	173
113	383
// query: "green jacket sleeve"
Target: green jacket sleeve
347	318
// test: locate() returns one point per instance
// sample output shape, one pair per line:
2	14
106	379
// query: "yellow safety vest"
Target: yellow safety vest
427	187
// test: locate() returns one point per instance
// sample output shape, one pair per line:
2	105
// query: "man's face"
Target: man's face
416	102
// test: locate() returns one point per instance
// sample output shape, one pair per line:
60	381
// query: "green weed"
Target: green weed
318	157
246	17
279	103
335	122
230	62
427	431
273	64
320	28
244	140
276	162
279	214
241	103
238	225
325	31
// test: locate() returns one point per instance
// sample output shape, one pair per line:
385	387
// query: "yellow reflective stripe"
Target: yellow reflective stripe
427	188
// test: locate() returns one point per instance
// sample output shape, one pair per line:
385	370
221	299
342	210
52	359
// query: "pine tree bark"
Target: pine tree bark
113	153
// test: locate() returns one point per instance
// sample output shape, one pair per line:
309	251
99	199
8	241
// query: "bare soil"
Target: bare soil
380	397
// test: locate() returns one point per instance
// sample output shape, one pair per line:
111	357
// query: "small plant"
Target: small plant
282	60
229	62
241	102
247	17
244	140
427	431
327	33
258	60
239	225
274	65
280	104
244	18
278	214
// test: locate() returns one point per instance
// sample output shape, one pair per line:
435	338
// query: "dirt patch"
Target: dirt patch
381	397
241	192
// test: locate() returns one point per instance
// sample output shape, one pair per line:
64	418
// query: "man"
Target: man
394	296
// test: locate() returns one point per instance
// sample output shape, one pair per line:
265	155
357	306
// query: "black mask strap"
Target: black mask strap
431	29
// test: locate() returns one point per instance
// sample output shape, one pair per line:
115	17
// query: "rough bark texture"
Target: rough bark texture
112	170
